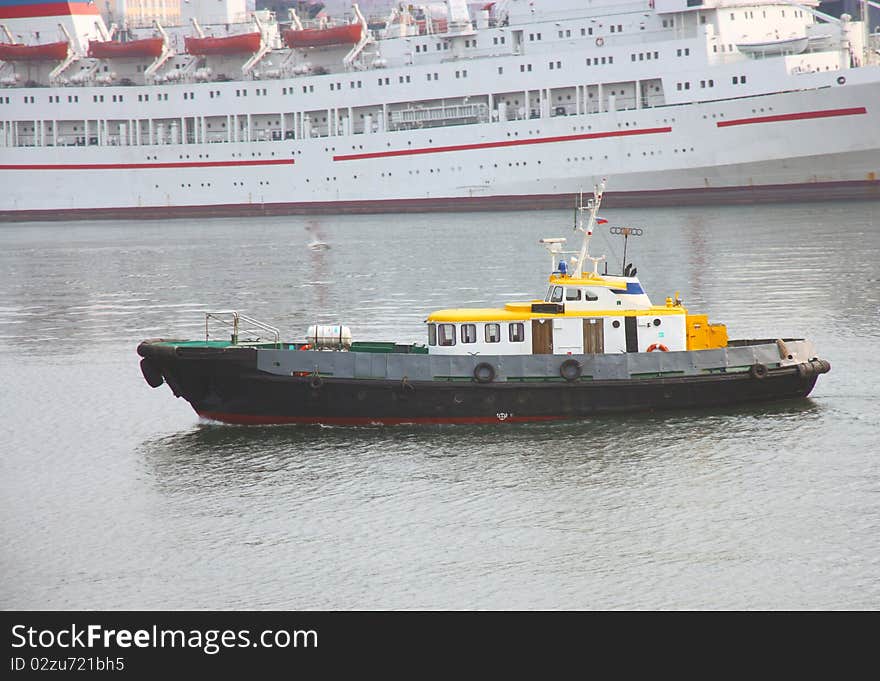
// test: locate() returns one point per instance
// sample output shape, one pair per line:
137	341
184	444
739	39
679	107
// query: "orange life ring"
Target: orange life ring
657	346
305	347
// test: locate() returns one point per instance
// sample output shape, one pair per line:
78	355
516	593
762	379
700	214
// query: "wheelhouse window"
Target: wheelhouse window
556	297
572	294
590	296
446	335
468	333
432	334
516	332
493	333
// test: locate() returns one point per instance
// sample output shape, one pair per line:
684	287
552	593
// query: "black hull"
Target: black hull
227	387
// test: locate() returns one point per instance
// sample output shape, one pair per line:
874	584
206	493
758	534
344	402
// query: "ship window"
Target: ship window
468	333
446	334
590	296
557	295
432	334
493	333
572	294
549	293
516	332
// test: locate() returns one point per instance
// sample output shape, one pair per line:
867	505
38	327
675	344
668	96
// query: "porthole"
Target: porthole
656	322
615	324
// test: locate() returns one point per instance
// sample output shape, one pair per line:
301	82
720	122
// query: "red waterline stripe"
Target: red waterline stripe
806	115
505	143
141	166
257	420
48	9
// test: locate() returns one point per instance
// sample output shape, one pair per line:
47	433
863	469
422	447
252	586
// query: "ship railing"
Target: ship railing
237	326
609	10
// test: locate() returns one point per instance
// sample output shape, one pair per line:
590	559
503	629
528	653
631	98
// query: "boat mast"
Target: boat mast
593	208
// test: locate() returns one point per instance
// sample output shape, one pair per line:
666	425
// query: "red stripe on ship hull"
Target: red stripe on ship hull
803	116
505	143
142	166
48	9
256	420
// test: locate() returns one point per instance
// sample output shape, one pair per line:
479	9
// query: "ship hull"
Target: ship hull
227	385
698	196
812	144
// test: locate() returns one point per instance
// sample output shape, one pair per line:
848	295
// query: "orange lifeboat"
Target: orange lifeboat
232	44
22	52
348	34
111	49
438	26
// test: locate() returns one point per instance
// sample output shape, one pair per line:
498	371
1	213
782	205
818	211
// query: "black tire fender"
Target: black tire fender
152	373
316	382
484	373
758	371
570	370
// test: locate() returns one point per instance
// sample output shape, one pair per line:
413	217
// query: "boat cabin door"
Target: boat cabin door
542	337
594	336
517	41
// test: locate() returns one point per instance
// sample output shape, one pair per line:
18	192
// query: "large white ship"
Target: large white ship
515	103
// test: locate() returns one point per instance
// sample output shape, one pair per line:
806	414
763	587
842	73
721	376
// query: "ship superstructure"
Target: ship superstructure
516	104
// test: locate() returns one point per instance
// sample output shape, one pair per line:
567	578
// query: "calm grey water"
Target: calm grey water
114	495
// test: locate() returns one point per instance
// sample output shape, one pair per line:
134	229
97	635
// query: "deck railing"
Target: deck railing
239	324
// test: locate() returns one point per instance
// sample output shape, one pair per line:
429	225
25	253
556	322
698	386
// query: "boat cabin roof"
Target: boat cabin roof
517	312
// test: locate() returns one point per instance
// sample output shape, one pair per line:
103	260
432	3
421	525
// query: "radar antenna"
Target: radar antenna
626	232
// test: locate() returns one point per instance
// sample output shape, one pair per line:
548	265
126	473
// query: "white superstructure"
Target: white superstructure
517	103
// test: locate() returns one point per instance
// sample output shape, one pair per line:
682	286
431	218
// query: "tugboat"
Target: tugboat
594	344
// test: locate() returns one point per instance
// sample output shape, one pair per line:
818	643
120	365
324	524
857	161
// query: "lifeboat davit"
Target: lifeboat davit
231	44
349	34
22	52
112	49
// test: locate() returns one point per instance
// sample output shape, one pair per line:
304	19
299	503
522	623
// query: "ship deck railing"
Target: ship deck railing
239	326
